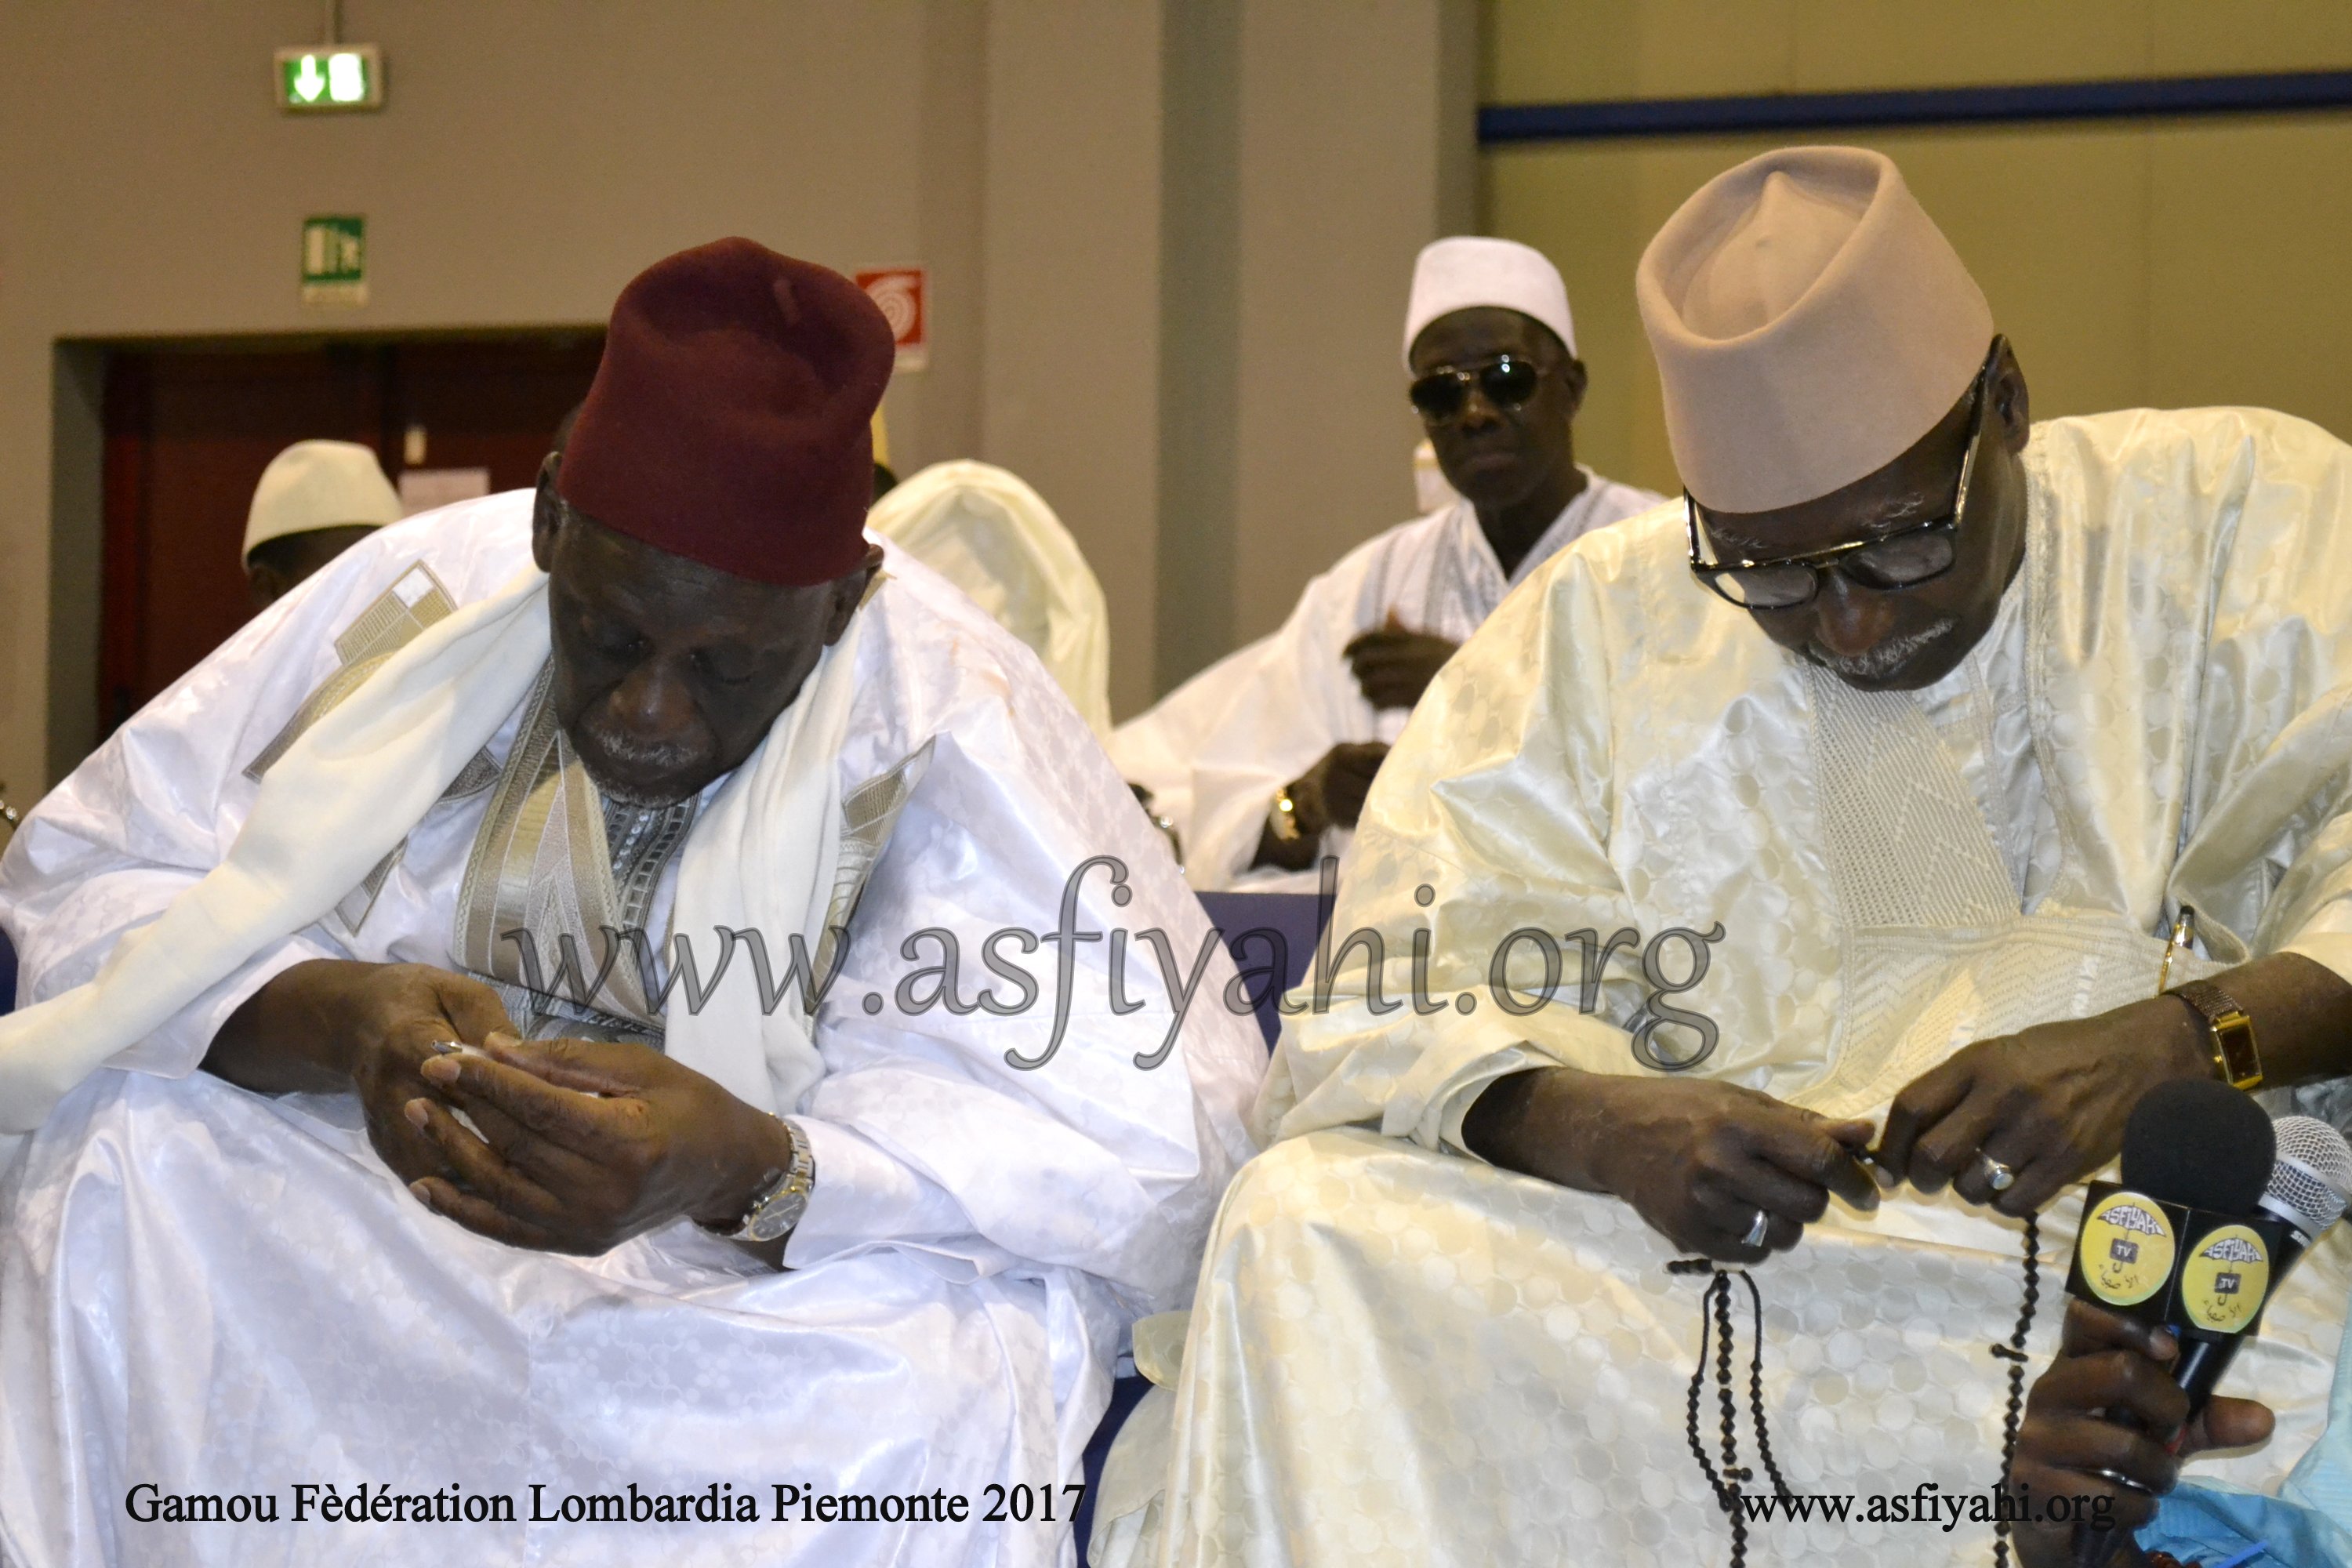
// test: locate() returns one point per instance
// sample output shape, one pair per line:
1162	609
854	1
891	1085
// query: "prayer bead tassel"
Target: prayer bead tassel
1715	1328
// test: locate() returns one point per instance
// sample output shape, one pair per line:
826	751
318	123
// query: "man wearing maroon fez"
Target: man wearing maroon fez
589	1023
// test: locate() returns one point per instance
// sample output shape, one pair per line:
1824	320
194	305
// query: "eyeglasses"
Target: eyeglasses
1507	381
1889	562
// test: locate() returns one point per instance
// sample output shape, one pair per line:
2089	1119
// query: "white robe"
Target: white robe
1213	751
1400	1353
216	1293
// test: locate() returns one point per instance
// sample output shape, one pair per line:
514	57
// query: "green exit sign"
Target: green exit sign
327	78
334	260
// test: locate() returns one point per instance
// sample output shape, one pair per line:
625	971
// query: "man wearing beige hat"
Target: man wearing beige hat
1841	813
316	499
1260	762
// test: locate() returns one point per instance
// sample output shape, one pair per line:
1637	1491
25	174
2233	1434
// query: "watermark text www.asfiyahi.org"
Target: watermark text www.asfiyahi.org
1929	1504
1524	975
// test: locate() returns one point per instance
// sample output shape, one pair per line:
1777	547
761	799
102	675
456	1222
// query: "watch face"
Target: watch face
2235	1041
776	1217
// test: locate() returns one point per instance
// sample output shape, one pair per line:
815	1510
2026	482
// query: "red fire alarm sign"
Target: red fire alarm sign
903	298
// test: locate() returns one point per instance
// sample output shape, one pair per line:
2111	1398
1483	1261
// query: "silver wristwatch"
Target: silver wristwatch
784	1198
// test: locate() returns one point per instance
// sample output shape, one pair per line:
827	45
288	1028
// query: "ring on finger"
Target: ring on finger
1755	1236
1998	1176
2124	1480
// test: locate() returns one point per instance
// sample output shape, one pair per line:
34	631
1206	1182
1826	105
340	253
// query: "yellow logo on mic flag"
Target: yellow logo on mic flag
2127	1249
2226	1277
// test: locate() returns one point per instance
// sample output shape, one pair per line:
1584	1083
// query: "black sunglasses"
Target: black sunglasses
1887	564
1507	382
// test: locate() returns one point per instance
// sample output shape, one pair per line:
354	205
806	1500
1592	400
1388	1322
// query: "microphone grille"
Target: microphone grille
2310	1182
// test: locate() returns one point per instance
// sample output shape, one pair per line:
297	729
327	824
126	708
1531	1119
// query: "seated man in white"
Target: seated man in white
424	1084
1261	761
1846	806
984	529
315	500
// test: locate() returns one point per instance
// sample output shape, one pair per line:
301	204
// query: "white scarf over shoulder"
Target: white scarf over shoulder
355	785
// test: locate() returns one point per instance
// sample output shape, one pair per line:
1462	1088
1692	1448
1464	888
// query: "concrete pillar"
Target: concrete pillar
1312	148
1071	298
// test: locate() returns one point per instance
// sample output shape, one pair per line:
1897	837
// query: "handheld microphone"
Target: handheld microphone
2216	1205
2196	1153
2309	1180
2198	1144
2311	1184
2209	1149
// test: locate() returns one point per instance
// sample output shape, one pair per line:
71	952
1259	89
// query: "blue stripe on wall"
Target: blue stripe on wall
1503	125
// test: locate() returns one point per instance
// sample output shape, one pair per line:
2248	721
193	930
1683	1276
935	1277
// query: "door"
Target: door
188	432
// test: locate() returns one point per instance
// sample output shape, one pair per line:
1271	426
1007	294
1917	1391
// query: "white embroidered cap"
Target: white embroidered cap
1468	270
320	484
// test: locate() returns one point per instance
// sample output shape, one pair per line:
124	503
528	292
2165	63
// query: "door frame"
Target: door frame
80	373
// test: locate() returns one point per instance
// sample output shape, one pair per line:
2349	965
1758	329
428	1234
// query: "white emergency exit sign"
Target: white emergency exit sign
323	79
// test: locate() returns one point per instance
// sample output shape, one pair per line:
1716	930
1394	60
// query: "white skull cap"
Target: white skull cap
320	484
1470	270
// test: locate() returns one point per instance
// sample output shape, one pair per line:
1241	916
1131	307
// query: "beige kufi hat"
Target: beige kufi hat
1811	323
320	484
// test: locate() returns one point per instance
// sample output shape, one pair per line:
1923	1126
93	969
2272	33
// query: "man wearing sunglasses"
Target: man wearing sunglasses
1263	760
1827	834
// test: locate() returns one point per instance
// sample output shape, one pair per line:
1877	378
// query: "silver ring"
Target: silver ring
1755	1236
1998	1176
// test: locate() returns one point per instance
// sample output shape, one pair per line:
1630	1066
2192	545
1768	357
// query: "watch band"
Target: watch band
2230	1033
785	1196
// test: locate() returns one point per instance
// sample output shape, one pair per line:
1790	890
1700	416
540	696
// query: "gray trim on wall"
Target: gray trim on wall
76	553
2269	92
1200	346
1457	118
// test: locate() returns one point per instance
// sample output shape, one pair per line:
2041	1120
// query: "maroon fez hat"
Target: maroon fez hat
731	418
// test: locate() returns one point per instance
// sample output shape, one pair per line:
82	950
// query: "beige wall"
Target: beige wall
1102	213
2164	264
1325	261
532	157
1169	243
1071	256
1315	146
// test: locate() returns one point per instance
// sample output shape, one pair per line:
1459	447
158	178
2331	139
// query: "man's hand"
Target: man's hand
1328	795
1331	793
2108	1404
1696	1158
1394	666
589	1144
2049	1102
333	1025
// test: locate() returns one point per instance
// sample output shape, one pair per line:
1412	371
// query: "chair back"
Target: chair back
1270	935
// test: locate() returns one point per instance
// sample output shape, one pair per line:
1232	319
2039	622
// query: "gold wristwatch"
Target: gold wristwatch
1282	817
2230	1033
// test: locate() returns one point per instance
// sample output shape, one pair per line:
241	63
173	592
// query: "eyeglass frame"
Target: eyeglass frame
1821	561
1466	376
